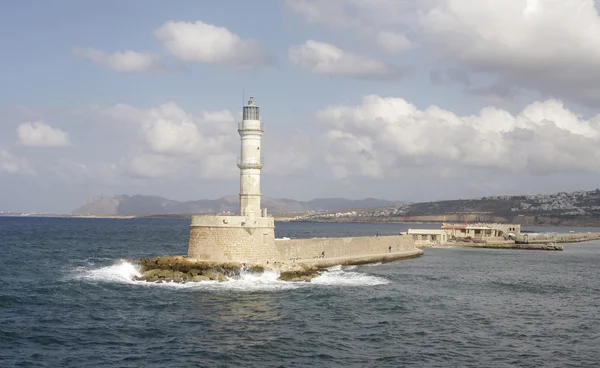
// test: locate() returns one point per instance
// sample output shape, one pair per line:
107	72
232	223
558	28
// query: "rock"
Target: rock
183	269
295	276
165	274
151	273
211	275
177	276
199	278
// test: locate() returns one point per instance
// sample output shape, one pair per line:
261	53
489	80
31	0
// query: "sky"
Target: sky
412	100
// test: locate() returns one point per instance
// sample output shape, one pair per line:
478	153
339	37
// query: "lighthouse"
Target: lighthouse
250	235
250	162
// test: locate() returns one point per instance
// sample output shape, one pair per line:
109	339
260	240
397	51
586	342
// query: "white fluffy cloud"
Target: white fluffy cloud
548	45
168	129
40	134
13	165
172	140
207	43
384	134
326	59
126	61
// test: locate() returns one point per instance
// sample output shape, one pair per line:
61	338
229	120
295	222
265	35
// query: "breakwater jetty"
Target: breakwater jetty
556	238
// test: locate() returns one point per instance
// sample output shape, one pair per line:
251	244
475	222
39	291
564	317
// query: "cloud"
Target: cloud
126	61
151	165
382	135
363	14
172	141
546	45
14	165
393	42
382	22
325	12
39	134
326	59
210	44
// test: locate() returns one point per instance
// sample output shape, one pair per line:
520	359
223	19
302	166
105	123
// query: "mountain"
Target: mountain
153	205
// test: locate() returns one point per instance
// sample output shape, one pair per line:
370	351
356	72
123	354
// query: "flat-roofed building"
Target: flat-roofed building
480	231
428	237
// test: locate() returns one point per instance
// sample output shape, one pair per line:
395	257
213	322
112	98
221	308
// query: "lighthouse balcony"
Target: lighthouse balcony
256	127
251	164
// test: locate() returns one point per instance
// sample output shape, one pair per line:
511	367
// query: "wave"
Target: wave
337	276
124	272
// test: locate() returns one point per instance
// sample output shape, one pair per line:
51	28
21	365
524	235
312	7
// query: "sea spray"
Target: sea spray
246	280
122	271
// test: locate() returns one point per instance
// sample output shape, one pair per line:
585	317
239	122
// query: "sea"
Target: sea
67	299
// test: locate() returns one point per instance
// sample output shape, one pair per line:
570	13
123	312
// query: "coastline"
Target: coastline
287	219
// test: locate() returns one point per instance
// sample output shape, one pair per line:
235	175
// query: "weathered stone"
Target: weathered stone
165	274
299	275
211	275
151	273
199	278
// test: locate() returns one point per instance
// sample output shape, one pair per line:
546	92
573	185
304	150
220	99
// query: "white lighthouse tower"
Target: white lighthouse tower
250	162
249	236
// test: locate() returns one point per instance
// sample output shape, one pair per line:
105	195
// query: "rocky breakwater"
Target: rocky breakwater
181	269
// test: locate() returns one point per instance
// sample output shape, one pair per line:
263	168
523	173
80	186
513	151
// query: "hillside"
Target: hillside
153	205
581	208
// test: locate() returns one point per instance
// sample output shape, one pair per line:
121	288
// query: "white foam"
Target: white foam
344	278
372	264
124	272
283	238
120	272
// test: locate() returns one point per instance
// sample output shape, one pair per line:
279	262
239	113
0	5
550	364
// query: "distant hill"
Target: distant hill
580	208
153	205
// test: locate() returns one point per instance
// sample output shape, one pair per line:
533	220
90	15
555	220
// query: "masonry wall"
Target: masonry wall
559	238
232	239
294	249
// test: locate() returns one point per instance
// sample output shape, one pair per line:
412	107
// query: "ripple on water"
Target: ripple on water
448	308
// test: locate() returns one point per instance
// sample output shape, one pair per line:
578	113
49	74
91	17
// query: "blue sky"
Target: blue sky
406	100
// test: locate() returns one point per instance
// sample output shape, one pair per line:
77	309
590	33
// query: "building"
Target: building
481	231
428	237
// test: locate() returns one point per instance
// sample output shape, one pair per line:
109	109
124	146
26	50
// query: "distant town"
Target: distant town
578	208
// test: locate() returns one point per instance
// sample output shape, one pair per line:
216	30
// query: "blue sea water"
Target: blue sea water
67	300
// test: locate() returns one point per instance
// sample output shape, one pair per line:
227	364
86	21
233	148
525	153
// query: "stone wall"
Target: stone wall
252	240
558	238
232	239
295	249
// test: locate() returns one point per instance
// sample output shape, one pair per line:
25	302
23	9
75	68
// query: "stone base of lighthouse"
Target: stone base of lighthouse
233	239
